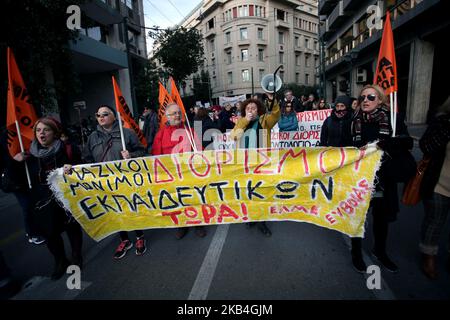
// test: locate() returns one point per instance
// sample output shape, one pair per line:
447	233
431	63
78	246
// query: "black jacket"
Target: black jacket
396	163
336	132
296	105
433	144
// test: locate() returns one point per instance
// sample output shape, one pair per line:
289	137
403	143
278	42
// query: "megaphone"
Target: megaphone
269	85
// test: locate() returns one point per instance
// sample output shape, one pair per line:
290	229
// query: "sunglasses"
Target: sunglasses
103	114
370	97
173	114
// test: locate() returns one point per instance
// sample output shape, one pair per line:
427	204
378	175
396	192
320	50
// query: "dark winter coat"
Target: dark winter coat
105	146
336	132
395	160
433	144
150	129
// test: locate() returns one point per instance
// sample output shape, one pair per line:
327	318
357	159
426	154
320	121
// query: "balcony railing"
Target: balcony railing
396	11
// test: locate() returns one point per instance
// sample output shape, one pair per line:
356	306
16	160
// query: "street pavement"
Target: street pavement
299	261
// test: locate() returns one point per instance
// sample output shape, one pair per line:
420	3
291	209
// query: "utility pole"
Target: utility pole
130	66
253	85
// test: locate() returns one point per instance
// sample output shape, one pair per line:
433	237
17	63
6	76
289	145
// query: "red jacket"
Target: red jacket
173	139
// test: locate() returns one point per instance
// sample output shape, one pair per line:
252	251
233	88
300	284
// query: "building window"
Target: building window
212	45
281	60
243	11
306	43
211	24
260	33
245	75
228	57
230	77
258	11
297	59
260	54
297	77
297	41
281	15
261	74
306	78
307	60
244	55
281	37
228	37
244	34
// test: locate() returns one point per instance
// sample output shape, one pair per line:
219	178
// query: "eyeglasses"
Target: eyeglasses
103	114
370	97
174	114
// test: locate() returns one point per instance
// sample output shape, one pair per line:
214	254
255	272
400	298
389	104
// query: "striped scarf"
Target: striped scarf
380	115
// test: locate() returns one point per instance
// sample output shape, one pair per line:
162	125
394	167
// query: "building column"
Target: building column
419	81
124	83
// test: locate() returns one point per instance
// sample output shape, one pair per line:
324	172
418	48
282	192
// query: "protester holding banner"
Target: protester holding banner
247	131
371	122
175	137
47	152
336	128
435	188
105	144
288	120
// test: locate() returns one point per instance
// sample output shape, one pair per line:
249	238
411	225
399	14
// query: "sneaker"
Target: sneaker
200	232
385	261
265	231
122	249
36	240
358	263
140	246
181	232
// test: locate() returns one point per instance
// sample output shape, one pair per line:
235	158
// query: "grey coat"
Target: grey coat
101	140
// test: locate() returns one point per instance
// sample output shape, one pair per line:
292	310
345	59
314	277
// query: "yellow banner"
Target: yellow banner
329	187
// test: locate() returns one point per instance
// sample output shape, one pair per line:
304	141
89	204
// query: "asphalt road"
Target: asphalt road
300	261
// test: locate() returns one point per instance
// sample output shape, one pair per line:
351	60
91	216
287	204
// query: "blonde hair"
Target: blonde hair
380	93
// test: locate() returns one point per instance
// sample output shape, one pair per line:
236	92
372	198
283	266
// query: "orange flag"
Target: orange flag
386	71
125	113
176	96
164	99
18	108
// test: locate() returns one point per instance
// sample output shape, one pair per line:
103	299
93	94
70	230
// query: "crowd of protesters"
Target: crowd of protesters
352	123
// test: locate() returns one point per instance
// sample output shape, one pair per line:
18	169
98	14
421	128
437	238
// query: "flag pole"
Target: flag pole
119	118
23	151
395	112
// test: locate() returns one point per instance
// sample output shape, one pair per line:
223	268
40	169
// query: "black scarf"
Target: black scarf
380	115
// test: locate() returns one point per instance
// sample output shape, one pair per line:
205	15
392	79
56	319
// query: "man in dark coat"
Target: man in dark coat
336	129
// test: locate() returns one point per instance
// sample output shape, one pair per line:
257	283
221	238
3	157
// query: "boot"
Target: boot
385	261
429	266
60	268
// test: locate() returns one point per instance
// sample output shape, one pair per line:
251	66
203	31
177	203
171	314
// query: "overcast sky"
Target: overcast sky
166	13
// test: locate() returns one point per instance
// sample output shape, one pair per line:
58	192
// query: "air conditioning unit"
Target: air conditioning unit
361	75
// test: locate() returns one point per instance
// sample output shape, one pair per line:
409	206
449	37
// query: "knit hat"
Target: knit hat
113	110
347	101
